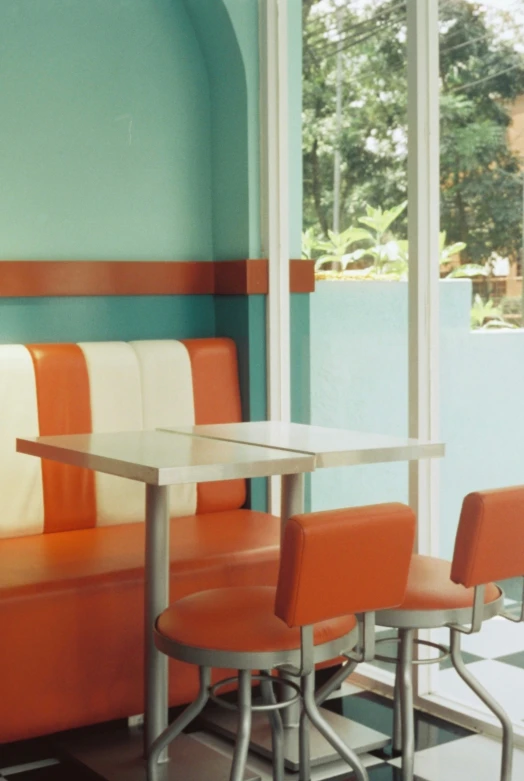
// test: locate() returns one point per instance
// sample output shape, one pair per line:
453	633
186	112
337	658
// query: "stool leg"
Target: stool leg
174	729
397	710
244	726
336	680
487	699
303	739
291	715
327	731
406	703
277	728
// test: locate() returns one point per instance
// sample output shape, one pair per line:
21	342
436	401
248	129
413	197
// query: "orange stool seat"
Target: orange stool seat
240	619
430	587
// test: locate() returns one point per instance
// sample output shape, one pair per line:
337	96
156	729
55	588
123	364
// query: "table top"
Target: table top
165	458
330	447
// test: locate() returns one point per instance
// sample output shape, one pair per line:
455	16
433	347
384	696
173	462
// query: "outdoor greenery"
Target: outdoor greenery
484	314
379	253
357	51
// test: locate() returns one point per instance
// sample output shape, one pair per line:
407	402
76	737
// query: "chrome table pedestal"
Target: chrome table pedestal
361	739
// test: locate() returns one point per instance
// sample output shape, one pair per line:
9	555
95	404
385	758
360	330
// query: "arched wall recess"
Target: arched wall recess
227	31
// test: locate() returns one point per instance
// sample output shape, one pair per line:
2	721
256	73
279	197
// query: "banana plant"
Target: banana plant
485	315
389	255
446	253
336	246
309	243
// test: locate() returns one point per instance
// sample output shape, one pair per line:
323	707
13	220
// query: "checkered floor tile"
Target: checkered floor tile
444	752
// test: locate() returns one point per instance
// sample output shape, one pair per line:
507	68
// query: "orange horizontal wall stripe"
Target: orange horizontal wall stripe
241	277
31	278
104	278
302	276
62	389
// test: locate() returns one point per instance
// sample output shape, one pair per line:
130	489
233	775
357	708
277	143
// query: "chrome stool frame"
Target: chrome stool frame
459	621
300	664
337	612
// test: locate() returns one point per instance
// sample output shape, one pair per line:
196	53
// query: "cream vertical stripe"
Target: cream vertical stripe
21	494
116	405
167	400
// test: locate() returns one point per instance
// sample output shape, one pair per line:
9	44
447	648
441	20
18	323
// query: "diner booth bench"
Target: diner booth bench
72	540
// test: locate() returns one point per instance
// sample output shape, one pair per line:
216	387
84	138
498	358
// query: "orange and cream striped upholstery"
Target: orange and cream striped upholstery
106	386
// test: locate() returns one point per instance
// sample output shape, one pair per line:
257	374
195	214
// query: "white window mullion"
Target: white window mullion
275	209
423	234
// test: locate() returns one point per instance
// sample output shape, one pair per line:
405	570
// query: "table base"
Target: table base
361	739
118	757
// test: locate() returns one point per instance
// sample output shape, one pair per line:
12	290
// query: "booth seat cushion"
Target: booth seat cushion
73	603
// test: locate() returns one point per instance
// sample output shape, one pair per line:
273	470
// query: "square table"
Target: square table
329	448
160	459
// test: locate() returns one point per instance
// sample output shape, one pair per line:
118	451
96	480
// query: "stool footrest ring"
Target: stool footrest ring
444	651
265	707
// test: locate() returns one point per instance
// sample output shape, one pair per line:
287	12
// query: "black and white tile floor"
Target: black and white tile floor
444	752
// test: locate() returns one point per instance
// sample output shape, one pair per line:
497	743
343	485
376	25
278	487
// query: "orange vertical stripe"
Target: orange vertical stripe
62	389
216	392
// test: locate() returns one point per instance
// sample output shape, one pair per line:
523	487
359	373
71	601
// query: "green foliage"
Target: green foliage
309	242
480	75
468	270
485	315
387	255
449	250
511	305
482	310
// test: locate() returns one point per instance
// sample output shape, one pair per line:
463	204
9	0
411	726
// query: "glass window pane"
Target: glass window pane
355	228
481	336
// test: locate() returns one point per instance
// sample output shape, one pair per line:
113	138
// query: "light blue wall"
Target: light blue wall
359	380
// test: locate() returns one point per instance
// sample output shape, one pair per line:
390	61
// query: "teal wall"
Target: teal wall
228	35
98	318
359	380
129	130
105	142
228	90
300	303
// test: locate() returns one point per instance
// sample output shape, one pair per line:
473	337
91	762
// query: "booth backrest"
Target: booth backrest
106	386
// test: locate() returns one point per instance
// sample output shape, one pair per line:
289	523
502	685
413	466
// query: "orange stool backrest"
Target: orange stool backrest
340	562
490	539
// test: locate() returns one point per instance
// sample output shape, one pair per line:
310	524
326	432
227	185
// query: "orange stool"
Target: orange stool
489	546
333	565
